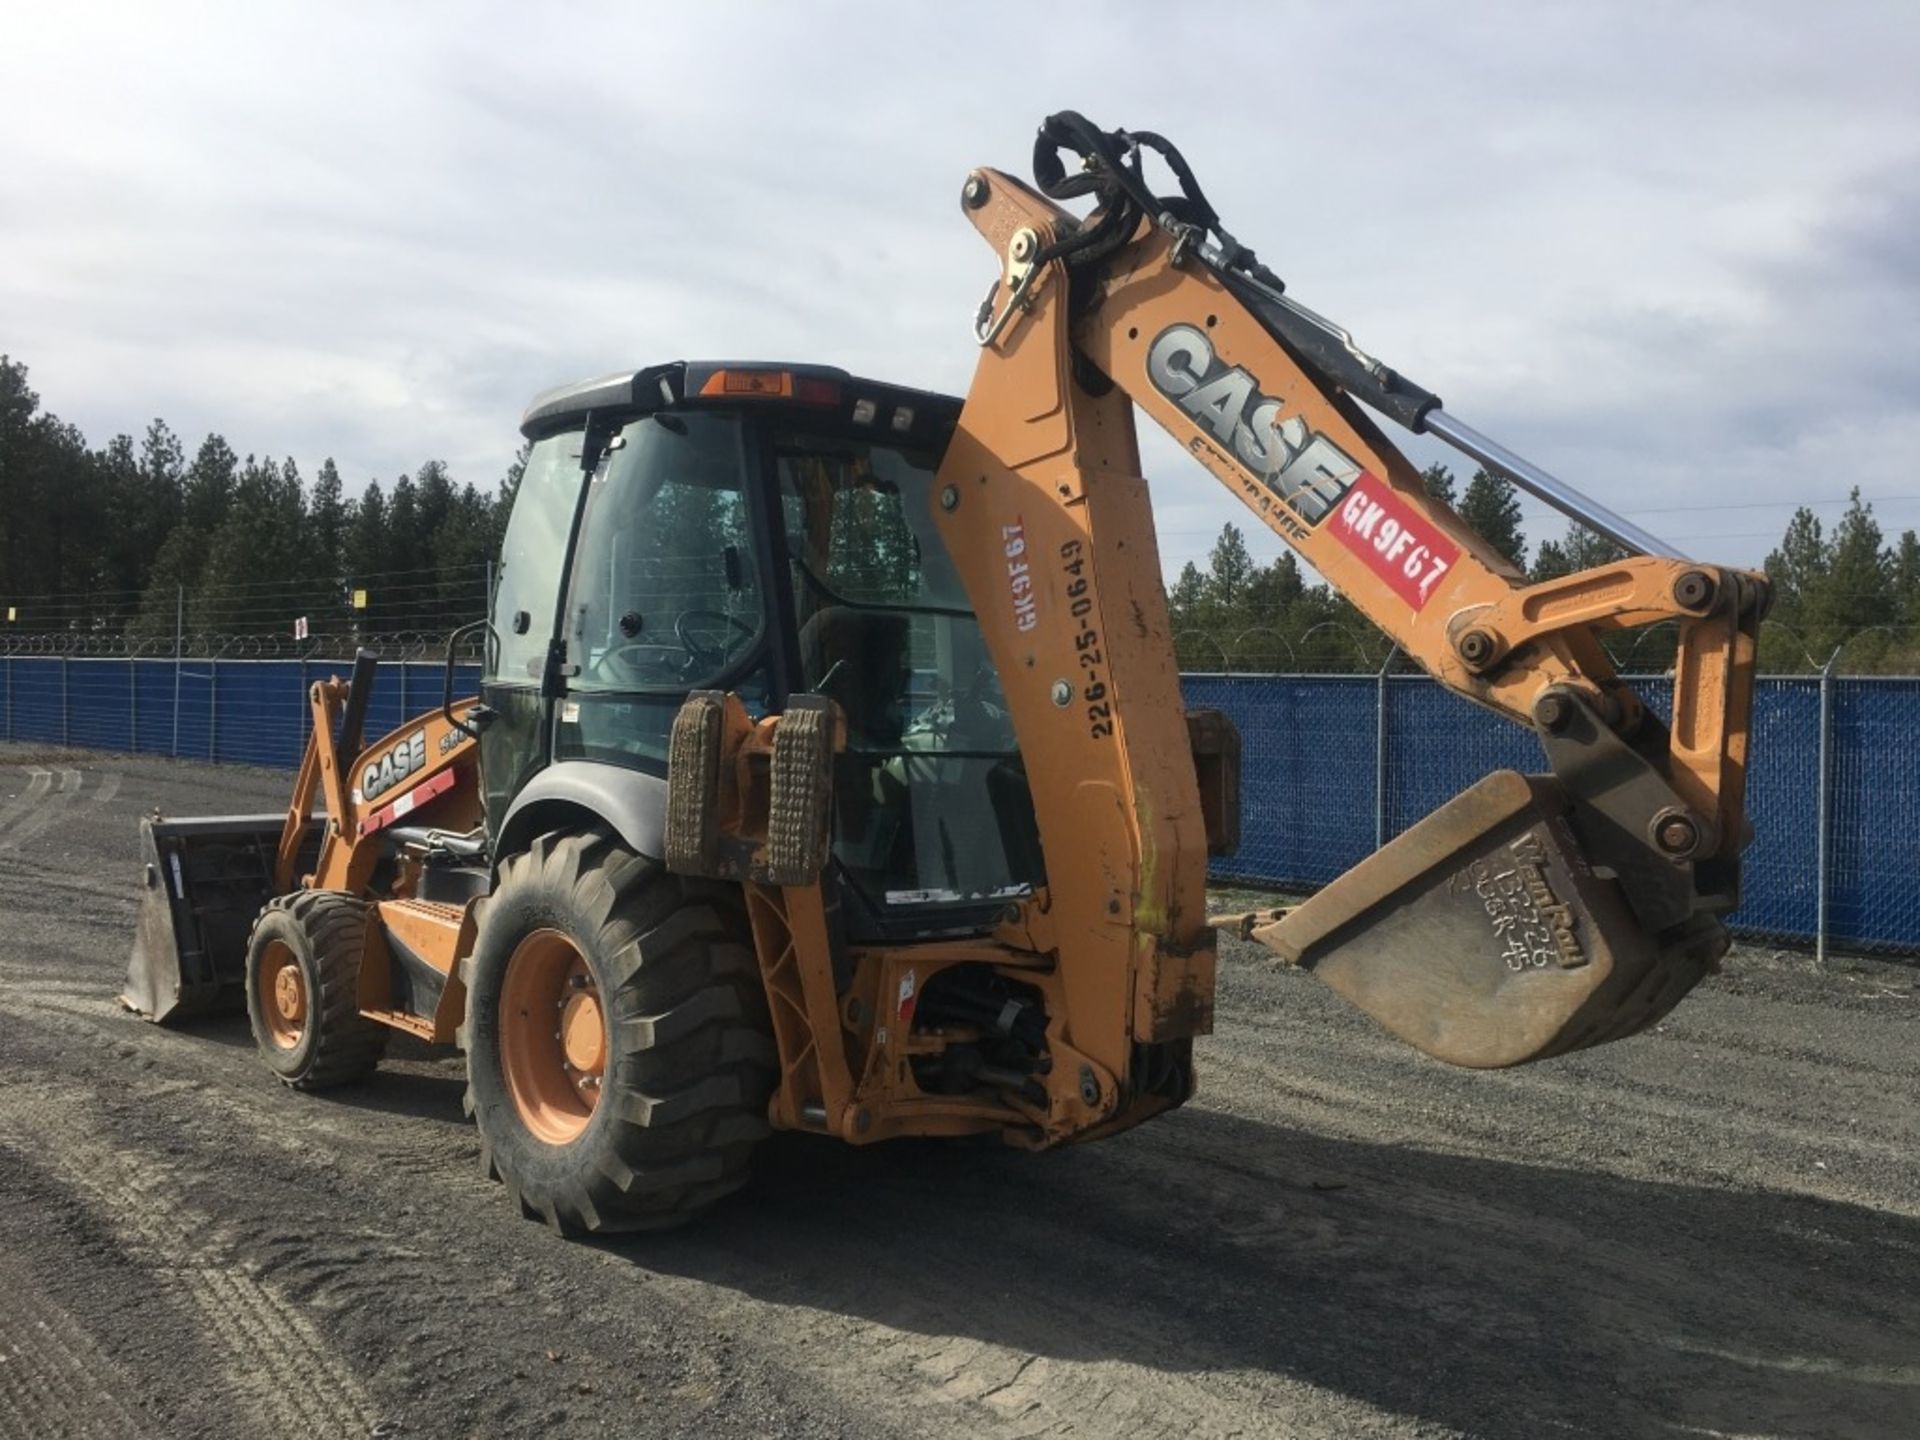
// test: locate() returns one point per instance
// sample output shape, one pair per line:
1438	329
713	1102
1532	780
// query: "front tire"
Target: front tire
303	990
619	1057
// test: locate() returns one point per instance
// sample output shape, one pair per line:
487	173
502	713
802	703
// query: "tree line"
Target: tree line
136	537
1843	589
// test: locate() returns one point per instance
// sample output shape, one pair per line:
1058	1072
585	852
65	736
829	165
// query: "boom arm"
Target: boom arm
1530	915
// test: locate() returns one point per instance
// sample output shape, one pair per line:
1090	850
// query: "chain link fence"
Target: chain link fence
240	712
1333	765
226	645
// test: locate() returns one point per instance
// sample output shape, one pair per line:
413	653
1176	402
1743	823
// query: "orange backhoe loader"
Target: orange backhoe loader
830	770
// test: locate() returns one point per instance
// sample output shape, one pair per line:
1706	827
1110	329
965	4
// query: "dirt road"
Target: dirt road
1709	1230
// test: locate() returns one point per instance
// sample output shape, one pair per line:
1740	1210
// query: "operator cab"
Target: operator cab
765	529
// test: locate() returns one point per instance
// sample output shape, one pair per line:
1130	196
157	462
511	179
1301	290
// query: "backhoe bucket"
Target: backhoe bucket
205	880
1483	936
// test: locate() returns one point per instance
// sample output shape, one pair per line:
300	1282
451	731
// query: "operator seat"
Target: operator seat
859	658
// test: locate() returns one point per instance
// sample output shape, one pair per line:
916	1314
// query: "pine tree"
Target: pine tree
406	546
1439	484
256	579
54	534
366	557
1906	580
462	546
126	557
1492	508
1579	549
18	406
163	467
1854	589
1796	565
72	524
1274	588
175	569
433	501
327	517
1187	592
207	488
1186	607
1229	569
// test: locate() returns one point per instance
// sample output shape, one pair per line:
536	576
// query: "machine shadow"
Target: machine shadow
415	1079
228	1030
1496	1297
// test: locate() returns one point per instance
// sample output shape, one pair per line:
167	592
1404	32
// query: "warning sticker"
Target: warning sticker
1398	544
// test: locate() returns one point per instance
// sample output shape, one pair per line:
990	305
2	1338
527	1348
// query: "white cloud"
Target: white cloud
1664	250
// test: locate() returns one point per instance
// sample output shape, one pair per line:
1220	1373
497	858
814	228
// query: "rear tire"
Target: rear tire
683	1055
303	990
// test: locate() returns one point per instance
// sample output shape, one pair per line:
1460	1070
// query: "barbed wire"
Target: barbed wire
409	613
225	645
1251	650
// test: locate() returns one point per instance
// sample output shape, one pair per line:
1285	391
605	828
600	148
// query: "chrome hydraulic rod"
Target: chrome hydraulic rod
1332	351
1550	488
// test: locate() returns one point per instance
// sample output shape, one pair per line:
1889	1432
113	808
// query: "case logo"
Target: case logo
1301	466
409	757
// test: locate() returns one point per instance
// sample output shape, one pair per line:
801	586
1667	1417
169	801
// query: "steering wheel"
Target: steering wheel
646	661
701	650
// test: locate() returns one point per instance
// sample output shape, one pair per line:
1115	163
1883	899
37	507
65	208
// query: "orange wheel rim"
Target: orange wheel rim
283	995
553	1037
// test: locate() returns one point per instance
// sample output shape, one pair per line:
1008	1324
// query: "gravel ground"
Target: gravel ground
1713	1229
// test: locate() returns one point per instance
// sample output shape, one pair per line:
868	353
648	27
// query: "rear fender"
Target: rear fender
576	792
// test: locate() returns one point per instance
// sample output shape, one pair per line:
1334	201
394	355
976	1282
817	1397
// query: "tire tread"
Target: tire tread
347	1046
692	1063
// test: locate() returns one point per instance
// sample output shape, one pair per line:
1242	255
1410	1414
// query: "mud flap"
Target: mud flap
1483	937
204	881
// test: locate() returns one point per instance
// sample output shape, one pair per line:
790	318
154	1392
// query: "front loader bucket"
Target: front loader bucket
1483	936
205	879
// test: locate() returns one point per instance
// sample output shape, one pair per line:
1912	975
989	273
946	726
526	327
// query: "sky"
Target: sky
1671	252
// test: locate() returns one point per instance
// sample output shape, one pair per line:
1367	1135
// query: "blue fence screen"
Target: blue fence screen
1332	765
235	712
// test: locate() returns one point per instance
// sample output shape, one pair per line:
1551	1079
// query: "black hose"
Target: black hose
1111	170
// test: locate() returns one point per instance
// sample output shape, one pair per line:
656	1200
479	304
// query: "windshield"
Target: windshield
931	799
666	591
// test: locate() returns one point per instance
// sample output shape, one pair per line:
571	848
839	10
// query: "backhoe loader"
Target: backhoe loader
830	771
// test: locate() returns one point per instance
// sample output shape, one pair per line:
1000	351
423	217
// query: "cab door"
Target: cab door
526	602
669	591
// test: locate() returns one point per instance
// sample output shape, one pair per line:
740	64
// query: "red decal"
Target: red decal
407	803
1398	544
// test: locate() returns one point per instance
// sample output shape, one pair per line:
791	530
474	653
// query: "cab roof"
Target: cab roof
822	390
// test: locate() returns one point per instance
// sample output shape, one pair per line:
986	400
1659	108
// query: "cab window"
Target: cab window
667	593
931	799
